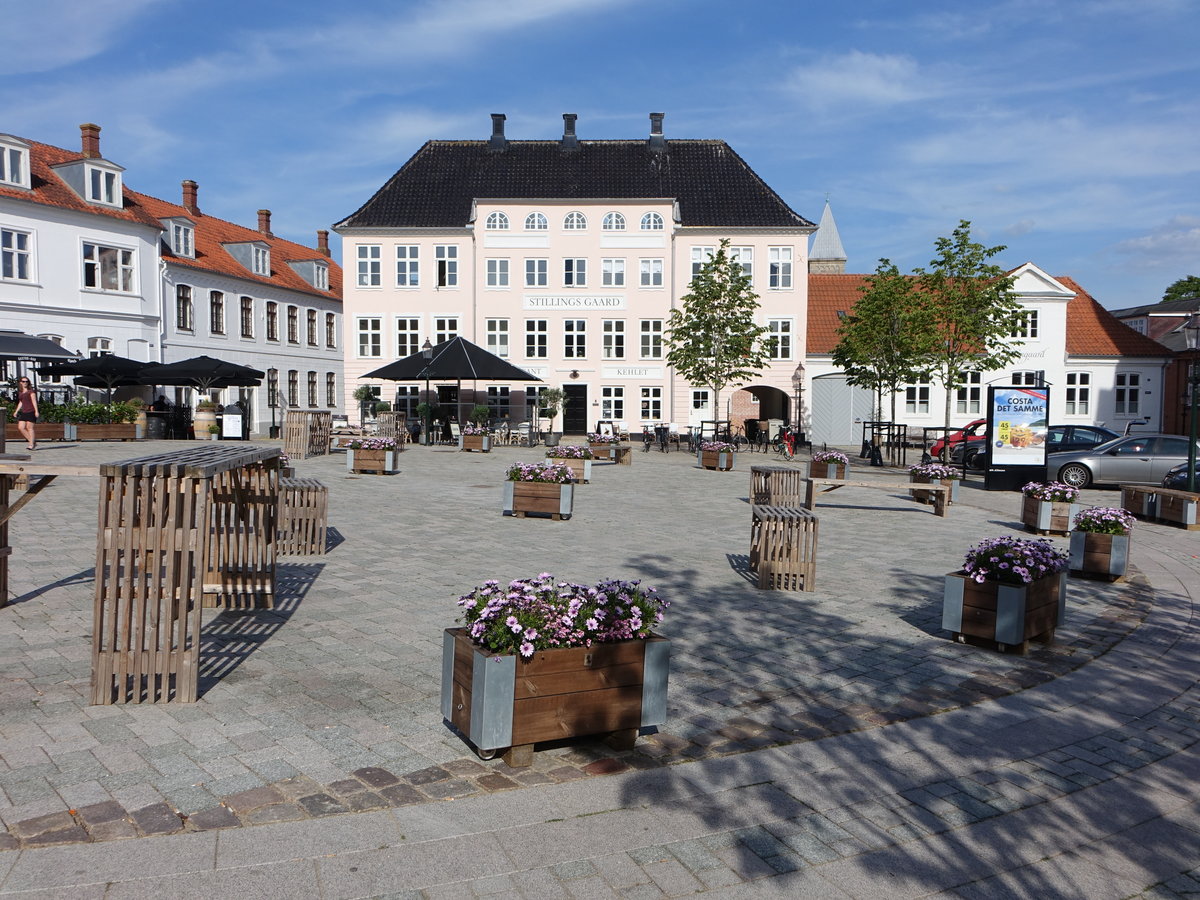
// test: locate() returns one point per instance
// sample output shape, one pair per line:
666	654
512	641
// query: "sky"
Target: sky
1066	130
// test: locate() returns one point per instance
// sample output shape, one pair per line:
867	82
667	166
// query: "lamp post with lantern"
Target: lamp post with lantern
427	352
1191	332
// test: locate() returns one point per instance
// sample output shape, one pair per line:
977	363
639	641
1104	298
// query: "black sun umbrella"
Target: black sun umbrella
201	372
105	371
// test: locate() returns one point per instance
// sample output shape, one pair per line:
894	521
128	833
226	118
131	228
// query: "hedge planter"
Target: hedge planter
539	498
835	470
580	468
501	702
480	443
718	460
371	462
1048	516
125	431
1009	614
1099	555
927	496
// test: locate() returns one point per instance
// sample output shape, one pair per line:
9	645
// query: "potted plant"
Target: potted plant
546	488
577	459
716	455
540	659
214	432
552	400
365	395
1008	591
475	437
426	413
372	456
934	473
829	464
103	422
1049	508
479	414
1100	542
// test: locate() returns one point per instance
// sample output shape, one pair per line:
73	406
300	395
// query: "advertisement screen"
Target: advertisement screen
1018	418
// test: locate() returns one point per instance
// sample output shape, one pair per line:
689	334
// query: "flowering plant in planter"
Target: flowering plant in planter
546	472
471	428
935	471
1013	560
1104	520
603	439
532	614
568	451
717	447
831	456
382	443
1054	491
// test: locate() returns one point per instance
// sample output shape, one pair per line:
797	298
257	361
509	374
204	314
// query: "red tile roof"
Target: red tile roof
48	189
1091	329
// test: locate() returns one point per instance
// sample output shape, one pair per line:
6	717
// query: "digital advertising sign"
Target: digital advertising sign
1018	418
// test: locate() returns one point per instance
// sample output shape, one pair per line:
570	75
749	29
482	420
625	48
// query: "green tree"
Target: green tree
968	311
1186	288
711	337
880	341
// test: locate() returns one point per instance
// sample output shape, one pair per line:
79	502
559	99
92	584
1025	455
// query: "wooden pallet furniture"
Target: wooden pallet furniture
392	425
783	547
303	517
1140	500
1162	504
177	531
941	499
777	485
306	433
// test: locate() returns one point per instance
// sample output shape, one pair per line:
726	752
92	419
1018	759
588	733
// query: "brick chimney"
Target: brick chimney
90	135
323	242
498	141
264	222
190	190
569	140
656	141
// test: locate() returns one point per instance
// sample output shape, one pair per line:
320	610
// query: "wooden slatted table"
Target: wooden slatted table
940	492
783	547
777	485
306	433
303	516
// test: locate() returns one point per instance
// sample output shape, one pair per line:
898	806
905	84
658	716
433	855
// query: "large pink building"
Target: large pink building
566	258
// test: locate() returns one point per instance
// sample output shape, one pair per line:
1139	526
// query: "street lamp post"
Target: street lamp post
427	352
1191	333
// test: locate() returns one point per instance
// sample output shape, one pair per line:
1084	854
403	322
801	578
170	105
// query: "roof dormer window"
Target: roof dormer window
321	277
262	261
254	255
14	162
497	221
104	186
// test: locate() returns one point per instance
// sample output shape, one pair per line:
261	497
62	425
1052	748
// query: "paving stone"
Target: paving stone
375	777
158	818
213	818
246	801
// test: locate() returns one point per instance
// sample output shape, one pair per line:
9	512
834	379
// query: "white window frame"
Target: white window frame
651	405
1077	400
1127	394
293	324
574	339
331	330
745	256
652	221
496	221
122	266
16	255
575	271
700	256
321	277
537	339
613	221
612	340
446	256
331	392
496	331
1029	378
261	257
574	221
537	272
216	312
650	338
312	389
612	402
271	319
370	336
99	346
246	316
499	400
781	331
185	310
14	165
650	273
536	221
369	258
103	185
916	398
1025	324
310	327
497	273
779	262
968	396
408	265
407	330
612	272
445	328
183	240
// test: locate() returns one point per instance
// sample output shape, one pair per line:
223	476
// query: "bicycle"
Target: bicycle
785	443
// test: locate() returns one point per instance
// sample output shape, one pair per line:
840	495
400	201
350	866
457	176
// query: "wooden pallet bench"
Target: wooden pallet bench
783	547
1141	500
940	492
303	517
1168	505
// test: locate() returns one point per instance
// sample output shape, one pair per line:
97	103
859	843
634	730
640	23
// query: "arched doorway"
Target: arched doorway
757	403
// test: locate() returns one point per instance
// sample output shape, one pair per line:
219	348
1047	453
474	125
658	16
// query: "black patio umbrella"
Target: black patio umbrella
201	372
19	345
105	371
454	360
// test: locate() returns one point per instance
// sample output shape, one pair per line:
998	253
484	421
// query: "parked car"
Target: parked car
1135	459
1058	439
972	431
1176	478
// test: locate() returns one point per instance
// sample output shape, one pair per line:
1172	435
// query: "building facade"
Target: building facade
566	258
100	268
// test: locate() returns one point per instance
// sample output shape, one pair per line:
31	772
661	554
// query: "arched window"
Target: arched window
575	221
652	221
613	221
535	221
497	221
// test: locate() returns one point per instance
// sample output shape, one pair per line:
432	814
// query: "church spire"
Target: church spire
827	256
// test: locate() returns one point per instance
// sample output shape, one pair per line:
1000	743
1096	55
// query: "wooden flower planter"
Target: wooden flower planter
928	496
46	431
371	462
125	431
717	460
603	452
476	443
828	470
1099	555
505	703
1048	516
522	498
1008	614
580	468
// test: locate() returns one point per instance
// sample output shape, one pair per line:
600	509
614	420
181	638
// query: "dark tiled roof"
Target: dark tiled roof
713	185
1091	329
1170	308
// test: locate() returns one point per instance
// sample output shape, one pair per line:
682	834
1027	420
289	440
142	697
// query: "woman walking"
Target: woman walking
27	412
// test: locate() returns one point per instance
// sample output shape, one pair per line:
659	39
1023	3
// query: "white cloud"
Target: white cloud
859	79
68	31
1174	243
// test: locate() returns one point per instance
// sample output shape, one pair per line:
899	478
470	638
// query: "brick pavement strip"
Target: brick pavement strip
317	687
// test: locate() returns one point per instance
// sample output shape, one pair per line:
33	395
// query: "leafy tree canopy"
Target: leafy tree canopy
1186	288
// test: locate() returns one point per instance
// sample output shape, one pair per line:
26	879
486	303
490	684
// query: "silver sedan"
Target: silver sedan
1134	459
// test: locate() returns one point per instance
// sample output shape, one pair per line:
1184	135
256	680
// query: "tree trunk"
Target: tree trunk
946	442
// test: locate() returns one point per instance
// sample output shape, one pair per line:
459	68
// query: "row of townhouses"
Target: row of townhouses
565	257
100	268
